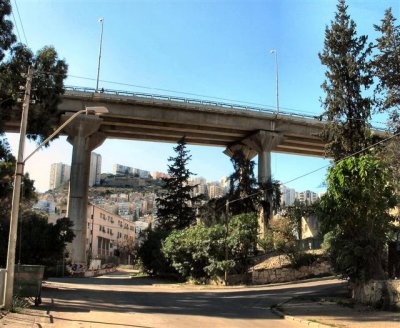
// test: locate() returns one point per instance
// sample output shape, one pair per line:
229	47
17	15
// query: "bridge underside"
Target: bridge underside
165	121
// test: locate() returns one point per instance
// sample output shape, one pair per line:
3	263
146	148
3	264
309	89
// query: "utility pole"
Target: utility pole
226	241
19	173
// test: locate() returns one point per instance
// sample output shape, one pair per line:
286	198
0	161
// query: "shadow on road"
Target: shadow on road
122	295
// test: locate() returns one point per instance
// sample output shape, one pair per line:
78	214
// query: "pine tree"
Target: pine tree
176	208
347	110
386	65
242	185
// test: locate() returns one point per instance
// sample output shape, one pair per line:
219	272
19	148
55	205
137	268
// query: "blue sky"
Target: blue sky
212	48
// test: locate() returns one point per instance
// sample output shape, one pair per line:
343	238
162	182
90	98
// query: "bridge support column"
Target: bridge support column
84	136
263	142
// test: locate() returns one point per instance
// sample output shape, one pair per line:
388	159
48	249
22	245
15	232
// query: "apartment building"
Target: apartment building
105	231
95	169
59	174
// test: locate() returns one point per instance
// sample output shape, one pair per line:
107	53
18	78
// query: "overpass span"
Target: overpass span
141	116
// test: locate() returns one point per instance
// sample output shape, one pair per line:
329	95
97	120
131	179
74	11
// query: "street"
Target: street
116	300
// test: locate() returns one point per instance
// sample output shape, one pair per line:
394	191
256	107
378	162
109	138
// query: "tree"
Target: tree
243	185
7	37
355	213
47	87
176	208
347	110
386	66
199	251
7	170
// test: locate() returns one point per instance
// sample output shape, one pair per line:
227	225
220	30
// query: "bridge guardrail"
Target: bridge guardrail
186	100
195	102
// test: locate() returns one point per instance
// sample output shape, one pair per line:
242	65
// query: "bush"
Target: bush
199	252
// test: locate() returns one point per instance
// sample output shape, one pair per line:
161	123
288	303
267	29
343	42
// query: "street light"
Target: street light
101	20
273	51
19	172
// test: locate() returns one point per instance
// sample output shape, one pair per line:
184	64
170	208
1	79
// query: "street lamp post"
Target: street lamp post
273	51
19	172
101	20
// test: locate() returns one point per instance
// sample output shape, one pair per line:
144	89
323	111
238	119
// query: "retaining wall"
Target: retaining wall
267	276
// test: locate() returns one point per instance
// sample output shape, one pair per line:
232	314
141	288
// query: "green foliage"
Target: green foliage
35	235
47	86
386	65
151	256
193	249
199	251
355	212
284	239
213	211
347	110
175	209
7	37
242	239
242	185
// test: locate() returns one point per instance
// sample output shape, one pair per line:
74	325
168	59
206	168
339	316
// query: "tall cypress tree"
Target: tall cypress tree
386	65
243	185
347	110
176	208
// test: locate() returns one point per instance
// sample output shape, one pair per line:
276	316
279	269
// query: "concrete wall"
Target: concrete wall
383	294
268	276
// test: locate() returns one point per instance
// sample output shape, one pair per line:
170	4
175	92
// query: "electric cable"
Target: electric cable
20	20
320	168
16	26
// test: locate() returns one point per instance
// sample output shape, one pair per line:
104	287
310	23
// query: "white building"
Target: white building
288	196
307	196
215	190
59	174
95	169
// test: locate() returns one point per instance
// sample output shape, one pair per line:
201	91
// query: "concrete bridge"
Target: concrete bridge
139	116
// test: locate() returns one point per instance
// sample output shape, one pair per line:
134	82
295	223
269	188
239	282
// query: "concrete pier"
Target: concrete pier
84	136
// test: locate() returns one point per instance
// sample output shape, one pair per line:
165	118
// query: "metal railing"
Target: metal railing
191	101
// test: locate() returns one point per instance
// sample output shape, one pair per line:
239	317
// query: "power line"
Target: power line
16	26
188	93
322	167
20	20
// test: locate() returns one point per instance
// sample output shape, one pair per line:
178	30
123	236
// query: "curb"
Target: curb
281	314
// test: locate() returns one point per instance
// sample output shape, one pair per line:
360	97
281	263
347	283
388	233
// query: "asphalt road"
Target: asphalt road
116	300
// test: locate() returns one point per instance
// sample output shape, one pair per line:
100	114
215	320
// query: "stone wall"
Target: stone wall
383	294
267	276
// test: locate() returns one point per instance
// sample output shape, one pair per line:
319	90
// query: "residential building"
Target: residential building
95	169
119	169
288	196
307	196
215	190
106	231
158	175
59	174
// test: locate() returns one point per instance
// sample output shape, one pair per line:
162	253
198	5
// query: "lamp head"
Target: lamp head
96	110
